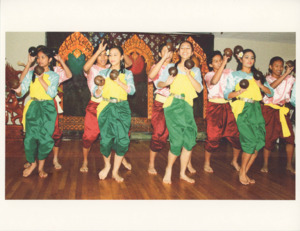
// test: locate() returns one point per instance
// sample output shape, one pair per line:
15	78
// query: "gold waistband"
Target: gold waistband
36	99
113	100
218	100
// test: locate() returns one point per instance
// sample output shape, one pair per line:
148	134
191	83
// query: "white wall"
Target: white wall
264	51
17	44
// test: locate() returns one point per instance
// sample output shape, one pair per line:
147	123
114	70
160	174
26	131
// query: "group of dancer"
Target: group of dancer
255	119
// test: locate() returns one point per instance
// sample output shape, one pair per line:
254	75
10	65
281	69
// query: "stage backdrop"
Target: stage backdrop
76	93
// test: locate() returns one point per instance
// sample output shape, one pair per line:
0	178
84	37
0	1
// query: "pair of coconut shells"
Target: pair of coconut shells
257	75
100	80
189	64
33	51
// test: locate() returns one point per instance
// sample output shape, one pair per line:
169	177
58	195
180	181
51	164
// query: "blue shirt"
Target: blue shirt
128	78
52	88
236	77
293	95
165	74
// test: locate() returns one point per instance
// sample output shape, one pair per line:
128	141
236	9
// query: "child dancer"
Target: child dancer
219	117
39	113
160	132
178	110
276	115
114	115
91	128
247	111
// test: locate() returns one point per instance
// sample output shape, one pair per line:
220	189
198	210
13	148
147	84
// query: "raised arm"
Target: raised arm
64	66
216	78
281	78
28	65
87	66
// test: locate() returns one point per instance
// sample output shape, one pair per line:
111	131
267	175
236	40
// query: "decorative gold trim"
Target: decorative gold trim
76	41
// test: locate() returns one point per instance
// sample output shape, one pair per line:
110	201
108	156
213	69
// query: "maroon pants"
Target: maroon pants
220	123
91	127
273	127
160	132
57	134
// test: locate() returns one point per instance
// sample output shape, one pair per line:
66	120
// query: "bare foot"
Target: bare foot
27	165
251	181
152	171
291	169
236	166
29	170
208	169
84	167
187	179
191	169
43	174
117	177
104	172
243	180
264	169
126	164
56	164
167	177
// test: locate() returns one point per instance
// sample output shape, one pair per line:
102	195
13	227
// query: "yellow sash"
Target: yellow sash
160	98
182	85
252	92
36	91
282	113
218	100
112	90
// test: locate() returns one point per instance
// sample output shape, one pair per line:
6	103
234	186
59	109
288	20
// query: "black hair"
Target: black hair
210	58
274	59
48	53
161	46
176	64
122	63
253	69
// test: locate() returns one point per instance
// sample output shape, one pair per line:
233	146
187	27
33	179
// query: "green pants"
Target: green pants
181	125
40	124
114	123
251	125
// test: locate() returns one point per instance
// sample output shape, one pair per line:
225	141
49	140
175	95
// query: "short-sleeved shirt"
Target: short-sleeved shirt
282	93
163	91
217	91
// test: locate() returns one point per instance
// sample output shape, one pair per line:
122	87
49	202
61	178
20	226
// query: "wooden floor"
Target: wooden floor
69	183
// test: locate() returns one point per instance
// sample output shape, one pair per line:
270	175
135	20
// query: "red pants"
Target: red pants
57	134
91	127
160	132
273	127
220	123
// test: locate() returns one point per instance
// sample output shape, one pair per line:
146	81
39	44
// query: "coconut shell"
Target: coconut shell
189	64
114	74
237	49
228	52
244	84
170	46
32	51
290	63
99	80
39	70
258	75
173	71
